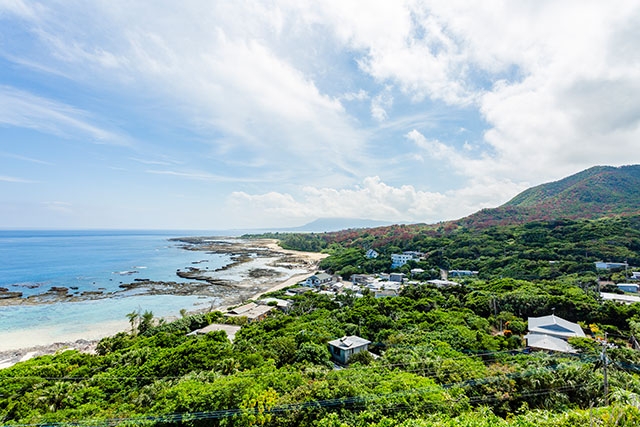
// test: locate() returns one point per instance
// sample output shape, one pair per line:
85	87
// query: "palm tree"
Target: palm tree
133	317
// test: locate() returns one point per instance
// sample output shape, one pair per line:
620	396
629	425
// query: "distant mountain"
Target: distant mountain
334	224
594	193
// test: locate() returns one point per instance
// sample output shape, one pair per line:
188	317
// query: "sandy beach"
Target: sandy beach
261	266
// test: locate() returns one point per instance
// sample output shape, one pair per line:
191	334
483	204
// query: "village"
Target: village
548	333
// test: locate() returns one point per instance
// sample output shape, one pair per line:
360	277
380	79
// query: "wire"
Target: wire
226	413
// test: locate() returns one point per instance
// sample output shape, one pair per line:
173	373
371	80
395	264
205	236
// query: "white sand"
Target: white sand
44	336
16	346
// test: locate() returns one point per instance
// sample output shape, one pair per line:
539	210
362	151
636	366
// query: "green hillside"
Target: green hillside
439	356
593	193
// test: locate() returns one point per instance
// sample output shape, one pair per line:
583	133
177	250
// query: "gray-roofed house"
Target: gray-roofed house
628	287
443	283
280	304
251	311
372	253
230	330
343	348
318	279
552	333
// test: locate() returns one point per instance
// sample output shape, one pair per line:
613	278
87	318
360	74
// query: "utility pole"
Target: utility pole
605	362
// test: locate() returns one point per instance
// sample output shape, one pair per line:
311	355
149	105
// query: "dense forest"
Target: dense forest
438	356
539	250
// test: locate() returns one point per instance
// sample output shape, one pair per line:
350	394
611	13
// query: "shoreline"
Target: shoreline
268	269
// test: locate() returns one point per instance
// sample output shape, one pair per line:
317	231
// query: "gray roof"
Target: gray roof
555	326
547	342
251	311
352	341
279	302
229	329
628	299
440	283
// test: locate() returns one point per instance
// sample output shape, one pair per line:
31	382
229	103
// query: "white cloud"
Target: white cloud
380	104
225	69
360	95
58	207
24	158
434	148
373	199
23	109
556	82
287	90
5	178
200	176
19	8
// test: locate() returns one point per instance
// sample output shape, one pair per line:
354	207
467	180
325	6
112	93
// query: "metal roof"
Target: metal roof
547	342
351	341
555	326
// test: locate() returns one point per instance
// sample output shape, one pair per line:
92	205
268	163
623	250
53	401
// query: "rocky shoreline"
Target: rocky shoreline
257	266
205	282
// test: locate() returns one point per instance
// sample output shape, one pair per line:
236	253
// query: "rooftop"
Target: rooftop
351	341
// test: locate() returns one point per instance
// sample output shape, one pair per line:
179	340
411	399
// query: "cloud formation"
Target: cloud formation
302	109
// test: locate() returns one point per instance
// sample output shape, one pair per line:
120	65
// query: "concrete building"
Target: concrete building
342	349
628	287
251	311
610	265
318	279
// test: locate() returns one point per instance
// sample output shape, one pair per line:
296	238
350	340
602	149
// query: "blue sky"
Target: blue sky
216	115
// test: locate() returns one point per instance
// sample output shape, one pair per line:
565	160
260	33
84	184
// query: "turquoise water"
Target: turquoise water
33	261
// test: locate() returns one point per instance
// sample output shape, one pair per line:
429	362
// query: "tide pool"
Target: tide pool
28	326
34	261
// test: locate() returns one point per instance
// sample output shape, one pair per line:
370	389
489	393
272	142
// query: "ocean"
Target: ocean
32	262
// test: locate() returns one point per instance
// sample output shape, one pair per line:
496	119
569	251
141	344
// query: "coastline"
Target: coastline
260	266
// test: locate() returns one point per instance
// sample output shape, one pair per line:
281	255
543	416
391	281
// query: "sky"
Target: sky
256	114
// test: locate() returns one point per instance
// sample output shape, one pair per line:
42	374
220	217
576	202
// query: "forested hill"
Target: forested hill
594	193
532	251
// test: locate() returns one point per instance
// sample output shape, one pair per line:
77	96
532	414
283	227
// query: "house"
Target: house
297	291
380	288
381	293
230	330
342	349
371	253
361	279
318	279
251	311
280	304
552	333
621	298
628	287
462	273
396	277
398	260
443	283
610	265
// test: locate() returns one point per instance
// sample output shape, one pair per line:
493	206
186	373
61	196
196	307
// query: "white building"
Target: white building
398	260
342	349
552	333
318	279
610	265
